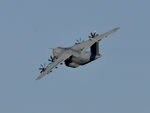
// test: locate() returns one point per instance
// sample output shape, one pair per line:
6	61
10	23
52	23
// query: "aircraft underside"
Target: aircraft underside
85	58
75	55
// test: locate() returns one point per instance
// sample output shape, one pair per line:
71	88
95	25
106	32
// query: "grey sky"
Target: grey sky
119	82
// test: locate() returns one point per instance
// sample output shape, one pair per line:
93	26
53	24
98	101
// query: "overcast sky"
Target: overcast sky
119	82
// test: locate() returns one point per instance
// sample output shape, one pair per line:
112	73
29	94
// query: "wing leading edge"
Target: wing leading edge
49	69
85	45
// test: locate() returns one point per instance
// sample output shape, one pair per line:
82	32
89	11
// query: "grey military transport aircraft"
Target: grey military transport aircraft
75	55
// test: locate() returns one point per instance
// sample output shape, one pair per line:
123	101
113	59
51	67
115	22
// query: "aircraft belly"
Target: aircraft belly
79	60
86	58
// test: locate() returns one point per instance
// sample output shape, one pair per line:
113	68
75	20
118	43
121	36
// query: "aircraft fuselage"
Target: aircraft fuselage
83	59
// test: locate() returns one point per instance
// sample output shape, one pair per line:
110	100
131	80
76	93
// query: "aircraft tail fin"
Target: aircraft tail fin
95	48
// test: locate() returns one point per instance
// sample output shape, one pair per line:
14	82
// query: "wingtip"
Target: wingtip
37	78
117	28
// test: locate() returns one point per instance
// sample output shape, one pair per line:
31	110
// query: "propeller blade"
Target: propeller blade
80	39
42	66
92	35
50	60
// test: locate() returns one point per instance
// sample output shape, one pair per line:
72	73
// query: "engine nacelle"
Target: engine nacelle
72	64
69	63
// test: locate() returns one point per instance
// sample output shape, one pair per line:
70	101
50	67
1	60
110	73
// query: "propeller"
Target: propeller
43	67
93	34
51	59
79	41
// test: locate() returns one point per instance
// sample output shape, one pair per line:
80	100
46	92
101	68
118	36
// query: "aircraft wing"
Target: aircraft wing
85	45
60	59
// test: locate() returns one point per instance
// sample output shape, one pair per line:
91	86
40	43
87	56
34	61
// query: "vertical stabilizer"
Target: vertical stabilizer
95	48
